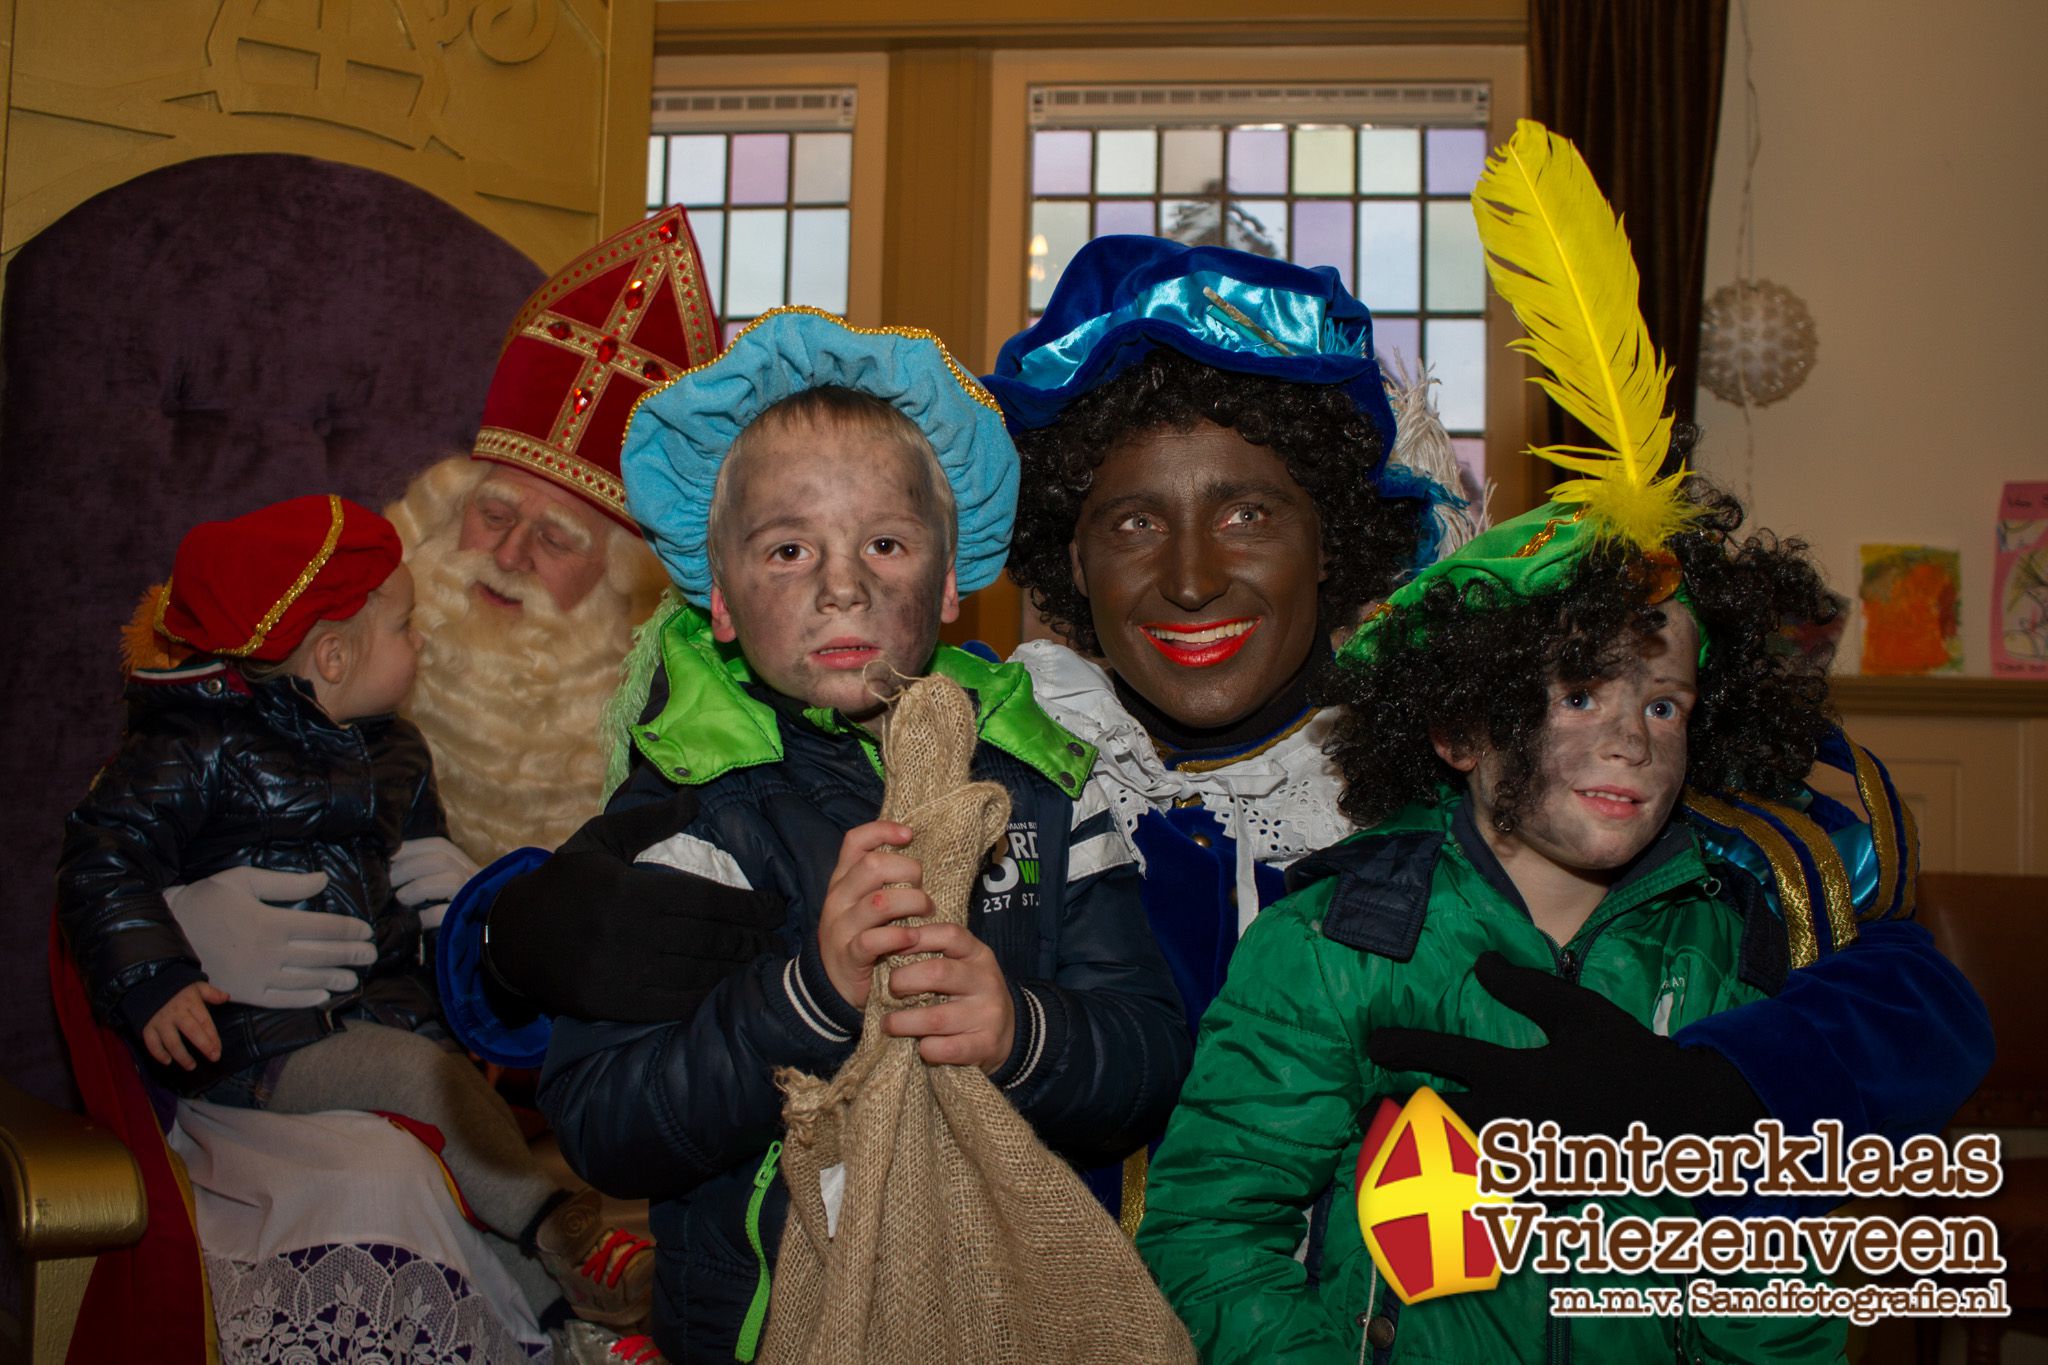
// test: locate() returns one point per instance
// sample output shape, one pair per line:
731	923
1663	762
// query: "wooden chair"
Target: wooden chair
1995	928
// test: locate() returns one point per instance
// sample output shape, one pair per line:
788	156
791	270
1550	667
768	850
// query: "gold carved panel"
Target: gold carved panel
531	116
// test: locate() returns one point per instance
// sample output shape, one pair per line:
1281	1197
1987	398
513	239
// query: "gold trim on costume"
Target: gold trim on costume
1827	861
283	604
1132	1207
608	255
1210	765
1884	833
1803	942
1911	901
505	446
1550	529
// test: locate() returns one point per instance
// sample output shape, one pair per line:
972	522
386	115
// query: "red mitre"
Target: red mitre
252	587
623	318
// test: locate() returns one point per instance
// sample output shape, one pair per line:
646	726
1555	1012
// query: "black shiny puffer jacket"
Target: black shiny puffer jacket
217	772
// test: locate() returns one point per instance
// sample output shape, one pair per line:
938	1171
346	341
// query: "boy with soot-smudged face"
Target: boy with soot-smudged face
825	495
1562	744
1522	723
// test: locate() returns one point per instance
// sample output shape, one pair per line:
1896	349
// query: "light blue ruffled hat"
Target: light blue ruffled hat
679	435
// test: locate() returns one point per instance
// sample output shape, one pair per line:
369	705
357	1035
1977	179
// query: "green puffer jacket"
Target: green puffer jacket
1384	930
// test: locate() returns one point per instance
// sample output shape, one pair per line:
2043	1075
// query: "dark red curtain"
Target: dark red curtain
1637	85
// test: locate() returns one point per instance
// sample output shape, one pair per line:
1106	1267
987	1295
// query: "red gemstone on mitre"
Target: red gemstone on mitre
667	231
654	371
606	349
559	330
635	292
582	399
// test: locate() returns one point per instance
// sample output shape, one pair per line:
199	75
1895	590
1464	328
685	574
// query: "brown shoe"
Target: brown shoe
606	1273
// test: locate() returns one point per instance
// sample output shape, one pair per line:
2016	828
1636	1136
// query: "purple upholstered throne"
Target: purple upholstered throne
187	346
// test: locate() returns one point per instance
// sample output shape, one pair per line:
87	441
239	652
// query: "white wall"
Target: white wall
1902	191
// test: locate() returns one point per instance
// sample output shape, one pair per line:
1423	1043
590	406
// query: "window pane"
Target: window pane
1126	162
1258	226
1457	275
817	258
1193	161
1472	465
1124	215
1322	234
754	262
1059	163
1323	163
656	181
760	168
1191	222
1058	230
708	226
1397	339
1385	207
1389	256
1457	356
1258	161
733	329
824	168
1455	158
696	169
1389	160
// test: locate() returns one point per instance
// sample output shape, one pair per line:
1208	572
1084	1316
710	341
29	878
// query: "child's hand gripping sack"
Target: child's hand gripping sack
959	1238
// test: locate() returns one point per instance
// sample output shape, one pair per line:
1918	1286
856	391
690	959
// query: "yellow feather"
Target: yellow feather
1560	258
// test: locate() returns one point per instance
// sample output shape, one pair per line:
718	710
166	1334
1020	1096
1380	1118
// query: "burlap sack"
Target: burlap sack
961	1240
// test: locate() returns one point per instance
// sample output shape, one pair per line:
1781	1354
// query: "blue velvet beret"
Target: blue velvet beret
680	434
1123	296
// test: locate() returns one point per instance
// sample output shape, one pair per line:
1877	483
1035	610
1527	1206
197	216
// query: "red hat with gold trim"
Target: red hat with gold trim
625	317
252	587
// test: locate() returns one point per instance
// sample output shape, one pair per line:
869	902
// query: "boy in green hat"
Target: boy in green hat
1519	742
1524	720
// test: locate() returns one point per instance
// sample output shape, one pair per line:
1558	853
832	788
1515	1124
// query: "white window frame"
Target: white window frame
867	75
1503	69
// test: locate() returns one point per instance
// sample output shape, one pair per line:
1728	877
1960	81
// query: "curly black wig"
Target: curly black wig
1474	667
1328	445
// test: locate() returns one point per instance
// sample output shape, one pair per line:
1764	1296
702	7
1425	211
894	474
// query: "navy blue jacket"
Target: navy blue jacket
215	772
682	1113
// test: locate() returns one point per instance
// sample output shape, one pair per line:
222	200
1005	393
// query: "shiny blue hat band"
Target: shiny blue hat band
1122	297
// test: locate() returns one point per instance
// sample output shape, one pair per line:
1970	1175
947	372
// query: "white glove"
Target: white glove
425	871
265	954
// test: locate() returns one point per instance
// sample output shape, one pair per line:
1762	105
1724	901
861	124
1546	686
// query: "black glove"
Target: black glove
1600	1071
593	935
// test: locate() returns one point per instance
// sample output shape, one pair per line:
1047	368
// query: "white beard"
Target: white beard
510	701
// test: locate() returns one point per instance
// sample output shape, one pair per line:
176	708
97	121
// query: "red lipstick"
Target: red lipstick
1201	644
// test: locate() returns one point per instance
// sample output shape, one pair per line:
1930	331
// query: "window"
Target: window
1372	179
781	178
